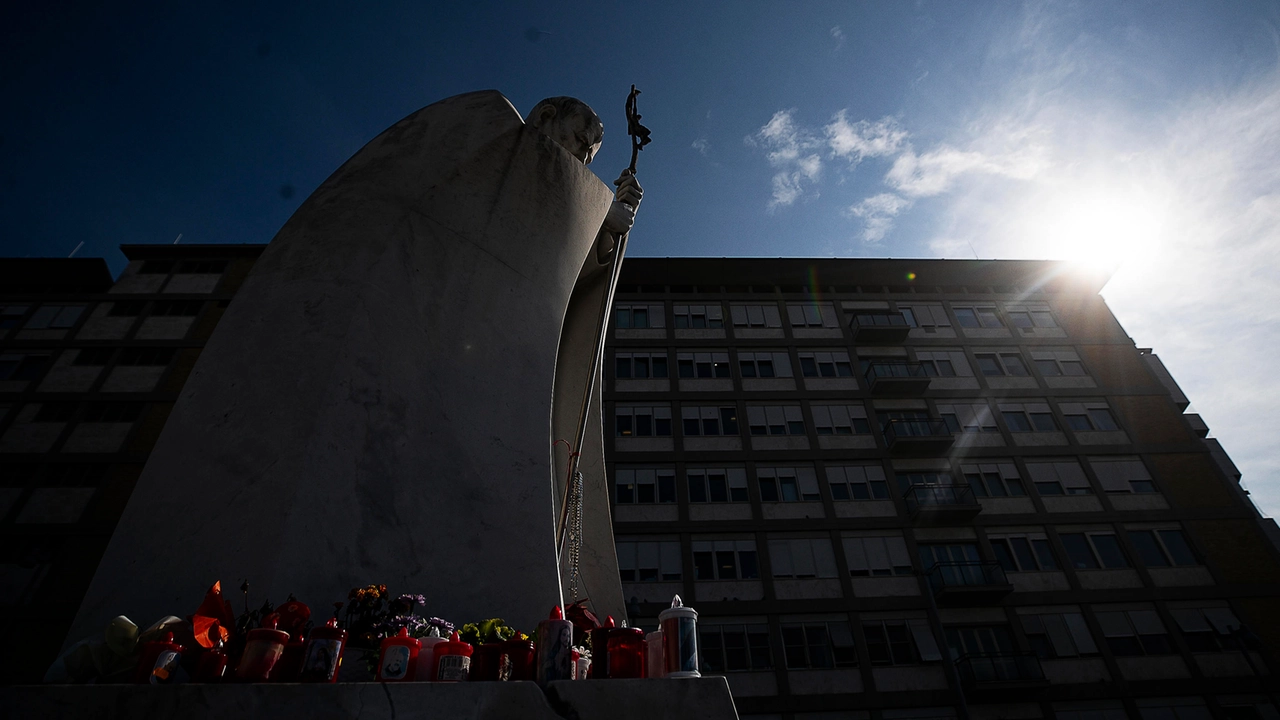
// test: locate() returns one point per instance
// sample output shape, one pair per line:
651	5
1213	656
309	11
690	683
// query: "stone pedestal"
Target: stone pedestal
703	699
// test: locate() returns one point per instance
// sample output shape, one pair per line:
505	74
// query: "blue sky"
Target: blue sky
1143	134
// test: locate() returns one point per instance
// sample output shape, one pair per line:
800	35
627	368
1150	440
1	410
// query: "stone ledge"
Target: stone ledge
579	700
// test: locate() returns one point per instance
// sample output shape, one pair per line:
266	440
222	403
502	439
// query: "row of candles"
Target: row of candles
617	652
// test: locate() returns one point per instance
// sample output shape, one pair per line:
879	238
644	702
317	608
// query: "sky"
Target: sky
1140	136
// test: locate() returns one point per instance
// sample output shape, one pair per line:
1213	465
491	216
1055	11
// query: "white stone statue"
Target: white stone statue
380	401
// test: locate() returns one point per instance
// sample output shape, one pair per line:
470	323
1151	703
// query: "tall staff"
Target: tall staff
573	487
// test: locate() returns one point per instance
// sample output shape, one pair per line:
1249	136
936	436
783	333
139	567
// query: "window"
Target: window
857	482
1059	477
709	420
637	317
717	484
146	356
177	308
818	645
703	364
764	364
974	416
825	364
1093	550
812	314
640	365
1035	315
54	317
879	556
638	485
995	479
1122	474
788	484
1134	632
93	357
20	367
1057	363
1058	635
156	267
725	560
948	554
642	421
900	642
202	267
1162	548
802	558
126	308
755	316
1091	711
1027	417
944	363
775	420
55	412
1178	709
649	560
698	316
11	316
924	477
1212	629
840	420
1024	552
979	640
1089	417
973	316
734	648
999	364
112	412
924	315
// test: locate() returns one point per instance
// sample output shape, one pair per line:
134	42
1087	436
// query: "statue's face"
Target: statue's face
576	132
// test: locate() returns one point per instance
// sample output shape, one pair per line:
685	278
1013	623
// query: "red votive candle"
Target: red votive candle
626	653
262	650
453	660
399	656
600	650
323	654
159	661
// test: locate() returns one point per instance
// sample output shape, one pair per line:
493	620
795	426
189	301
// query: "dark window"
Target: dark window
177	308
967	317
93	356
55	412
112	412
156	267
126	308
989	365
1017	421
204	267
1013	364
146	356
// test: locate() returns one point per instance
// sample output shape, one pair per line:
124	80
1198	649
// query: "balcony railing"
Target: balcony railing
975	574
941	503
880	326
924	436
897	376
1004	670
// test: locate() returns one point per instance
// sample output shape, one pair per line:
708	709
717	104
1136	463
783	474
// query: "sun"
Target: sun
1103	227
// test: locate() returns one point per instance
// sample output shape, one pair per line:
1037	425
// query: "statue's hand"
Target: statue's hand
622	213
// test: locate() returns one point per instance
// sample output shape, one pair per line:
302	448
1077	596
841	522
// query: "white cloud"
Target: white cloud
792	151
877	213
862	139
702	146
838	35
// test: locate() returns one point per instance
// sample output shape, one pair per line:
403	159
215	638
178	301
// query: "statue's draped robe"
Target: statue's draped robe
376	404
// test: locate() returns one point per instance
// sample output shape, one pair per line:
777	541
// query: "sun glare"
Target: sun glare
1103	229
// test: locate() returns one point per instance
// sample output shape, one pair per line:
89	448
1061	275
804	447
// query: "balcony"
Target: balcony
883	327
967	583
1000	673
897	378
918	437
941	504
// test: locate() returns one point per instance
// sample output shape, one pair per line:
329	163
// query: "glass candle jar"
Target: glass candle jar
626	653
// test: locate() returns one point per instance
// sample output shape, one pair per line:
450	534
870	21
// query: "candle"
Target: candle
653	665
427	656
323	654
212	664
600	650
159	662
626	653
453	660
555	648
262	649
679	640
399	657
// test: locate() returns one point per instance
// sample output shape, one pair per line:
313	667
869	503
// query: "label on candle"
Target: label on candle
166	667
455	668
322	658
395	662
505	667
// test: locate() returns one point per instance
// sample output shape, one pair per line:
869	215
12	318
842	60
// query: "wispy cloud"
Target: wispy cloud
854	141
794	152
702	145
877	213
838	35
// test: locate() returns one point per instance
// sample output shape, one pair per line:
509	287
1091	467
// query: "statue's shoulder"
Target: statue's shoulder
483	106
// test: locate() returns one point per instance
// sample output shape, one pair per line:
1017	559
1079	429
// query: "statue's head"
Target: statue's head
571	123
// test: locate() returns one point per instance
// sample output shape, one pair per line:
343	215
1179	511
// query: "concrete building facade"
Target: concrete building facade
891	488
